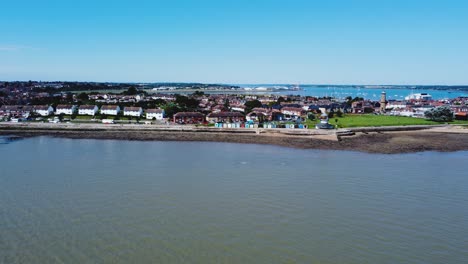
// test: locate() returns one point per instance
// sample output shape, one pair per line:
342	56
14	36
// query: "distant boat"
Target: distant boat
296	88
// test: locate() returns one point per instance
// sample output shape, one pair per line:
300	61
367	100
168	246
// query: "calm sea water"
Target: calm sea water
367	93
91	201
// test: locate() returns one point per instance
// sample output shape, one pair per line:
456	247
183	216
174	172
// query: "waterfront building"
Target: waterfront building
110	110
90	110
133	111
43	110
65	109
292	113
225	117
189	118
157	114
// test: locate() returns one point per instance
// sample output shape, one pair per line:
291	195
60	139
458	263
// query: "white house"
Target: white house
294	111
133	111
158	114
43	110
240	108
65	109
88	110
110	110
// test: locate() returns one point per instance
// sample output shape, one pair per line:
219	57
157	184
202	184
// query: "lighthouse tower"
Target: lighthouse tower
383	102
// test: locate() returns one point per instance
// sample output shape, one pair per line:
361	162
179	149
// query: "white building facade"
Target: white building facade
43	110
90	110
133	111
157	114
110	110
65	109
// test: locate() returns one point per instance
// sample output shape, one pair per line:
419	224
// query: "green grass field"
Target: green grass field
368	120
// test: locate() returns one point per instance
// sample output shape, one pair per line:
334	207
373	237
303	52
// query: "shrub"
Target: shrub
339	113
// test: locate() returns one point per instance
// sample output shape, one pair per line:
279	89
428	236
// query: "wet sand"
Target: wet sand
436	139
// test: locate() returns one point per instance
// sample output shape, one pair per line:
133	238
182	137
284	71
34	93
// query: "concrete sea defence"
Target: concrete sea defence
374	140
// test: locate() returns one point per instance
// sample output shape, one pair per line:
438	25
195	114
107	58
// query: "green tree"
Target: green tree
249	105
82	97
226	105
440	114
186	103
69	97
339	113
170	109
131	91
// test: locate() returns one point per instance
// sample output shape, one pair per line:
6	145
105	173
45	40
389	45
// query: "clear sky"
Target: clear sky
236	41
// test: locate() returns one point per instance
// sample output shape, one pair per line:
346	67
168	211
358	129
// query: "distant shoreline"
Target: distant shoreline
370	140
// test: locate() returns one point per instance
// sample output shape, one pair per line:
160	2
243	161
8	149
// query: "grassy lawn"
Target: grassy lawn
379	120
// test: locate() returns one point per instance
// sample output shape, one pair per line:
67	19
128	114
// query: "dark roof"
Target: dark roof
64	106
226	114
87	107
292	109
41	107
109	107
189	114
154	111
132	108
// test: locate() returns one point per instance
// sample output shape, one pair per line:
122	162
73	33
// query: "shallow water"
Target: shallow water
106	201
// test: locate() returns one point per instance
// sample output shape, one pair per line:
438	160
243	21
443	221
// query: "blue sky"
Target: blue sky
293	41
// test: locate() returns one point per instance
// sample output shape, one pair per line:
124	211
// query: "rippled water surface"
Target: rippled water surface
91	201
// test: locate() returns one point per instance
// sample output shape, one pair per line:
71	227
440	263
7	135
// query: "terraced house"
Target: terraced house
157	114
90	110
225	117
189	118
133	111
110	110
65	109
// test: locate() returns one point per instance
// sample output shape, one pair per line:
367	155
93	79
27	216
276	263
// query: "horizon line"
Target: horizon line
237	84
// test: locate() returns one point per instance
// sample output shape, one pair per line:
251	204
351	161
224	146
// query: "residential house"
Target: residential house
90	110
43	110
225	117
133	111
239	108
189	118
256	117
110	110
65	109
157	114
10	110
361	107
292	113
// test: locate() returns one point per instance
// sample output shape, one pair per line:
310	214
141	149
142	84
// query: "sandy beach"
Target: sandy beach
371	140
